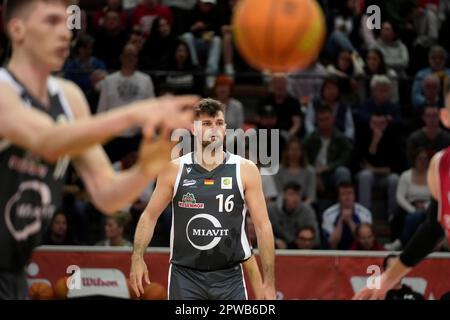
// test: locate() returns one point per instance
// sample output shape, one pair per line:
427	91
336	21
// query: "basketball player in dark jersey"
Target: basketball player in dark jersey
209	204
432	231
44	121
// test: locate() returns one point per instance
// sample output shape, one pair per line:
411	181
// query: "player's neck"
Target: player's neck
32	76
209	160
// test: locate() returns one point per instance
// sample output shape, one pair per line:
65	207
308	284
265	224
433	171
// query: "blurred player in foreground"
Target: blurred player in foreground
435	227
45	123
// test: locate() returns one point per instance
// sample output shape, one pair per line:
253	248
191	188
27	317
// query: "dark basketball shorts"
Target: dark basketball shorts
190	284
13	286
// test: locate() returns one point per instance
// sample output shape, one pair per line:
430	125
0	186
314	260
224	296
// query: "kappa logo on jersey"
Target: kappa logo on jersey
205	235
188	169
187	182
226	183
189	201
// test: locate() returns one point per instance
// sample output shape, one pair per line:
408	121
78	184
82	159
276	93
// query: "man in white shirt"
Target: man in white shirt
120	88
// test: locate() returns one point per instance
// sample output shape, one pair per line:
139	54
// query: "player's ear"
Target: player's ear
445	117
16	30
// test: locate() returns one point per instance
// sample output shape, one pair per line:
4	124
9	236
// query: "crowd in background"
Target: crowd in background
358	127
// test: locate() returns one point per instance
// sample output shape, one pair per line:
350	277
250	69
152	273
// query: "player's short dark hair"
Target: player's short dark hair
209	107
10	7
386	259
292	185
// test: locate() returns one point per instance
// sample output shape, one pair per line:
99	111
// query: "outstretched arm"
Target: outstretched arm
422	243
146	225
35	130
110	191
258	211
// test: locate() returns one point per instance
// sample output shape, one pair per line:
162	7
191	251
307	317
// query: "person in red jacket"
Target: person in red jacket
145	13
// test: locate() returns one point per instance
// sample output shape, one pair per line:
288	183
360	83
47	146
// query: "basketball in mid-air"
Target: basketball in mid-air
279	35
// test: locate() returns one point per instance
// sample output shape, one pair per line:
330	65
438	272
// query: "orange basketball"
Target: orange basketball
154	291
279	35
41	291
60	288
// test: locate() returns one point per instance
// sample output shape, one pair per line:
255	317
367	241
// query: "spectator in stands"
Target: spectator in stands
295	168
377	160
380	101
375	65
329	151
306	238
110	39
399	291
234	110
331	96
339	222
348	69
270	190
394	50
93	96
183	77
437	58
145	14
181	10
431	137
60	232
205	32
287	108
426	24
80	68
365	239
444	17
159	47
227	36
431	94
305	85
98	18
129	5
289	214
115	231
119	89
138	40
413	197
346	28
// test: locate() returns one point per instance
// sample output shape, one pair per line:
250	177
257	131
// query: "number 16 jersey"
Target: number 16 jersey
208	215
